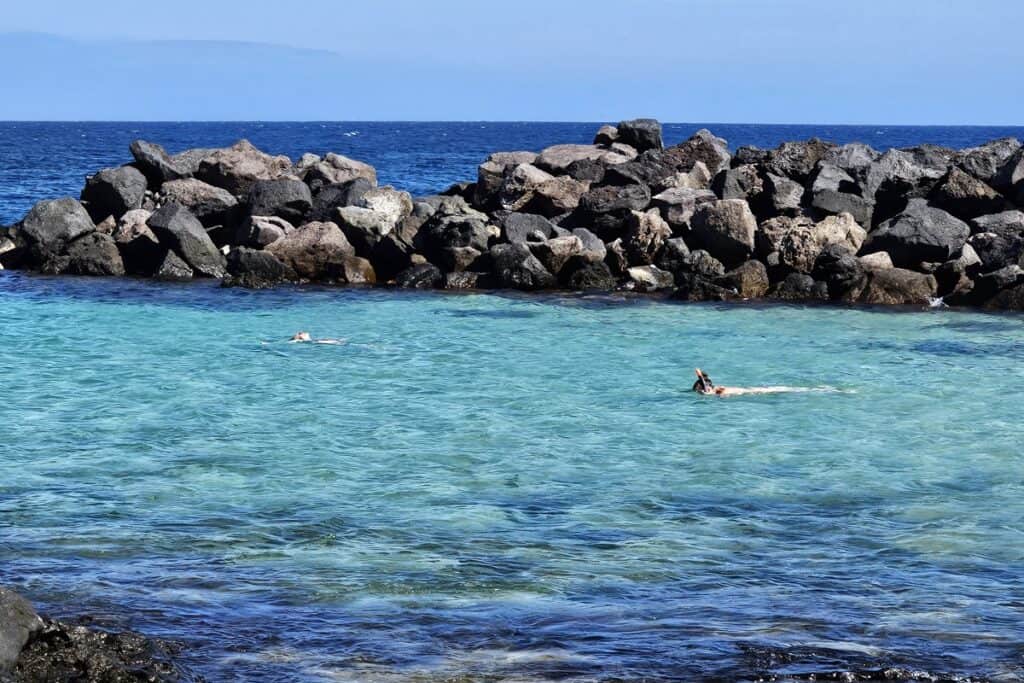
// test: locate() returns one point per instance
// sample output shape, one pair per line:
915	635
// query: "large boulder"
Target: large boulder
781	196
592	277
517	227
645	234
18	622
517	268
531	190
558	158
966	197
606	135
803	243
141	251
336	169
702	147
799	287
94	254
1010	179
287	198
724	228
255	268
899	176
211	205
238	167
985	161
695	287
854	158
114	192
796	160
180	231
613	198
996	250
155	163
50	225
491	175
739	182
921	233
841	271
261	231
1005	222
332	197
315	251
556	252
749	280
420	276
674	256
897	286
640	134
677	206
377	213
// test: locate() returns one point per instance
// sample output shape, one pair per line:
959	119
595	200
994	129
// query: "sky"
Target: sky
913	62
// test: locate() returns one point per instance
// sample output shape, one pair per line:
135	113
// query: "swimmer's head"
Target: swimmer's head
302	337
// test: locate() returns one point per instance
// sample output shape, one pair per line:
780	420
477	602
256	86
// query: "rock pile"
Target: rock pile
805	221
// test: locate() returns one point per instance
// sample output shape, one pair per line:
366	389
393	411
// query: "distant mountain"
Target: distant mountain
54	78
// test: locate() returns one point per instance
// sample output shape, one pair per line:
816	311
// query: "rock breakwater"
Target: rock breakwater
696	221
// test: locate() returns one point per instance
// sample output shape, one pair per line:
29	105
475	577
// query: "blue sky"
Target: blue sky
755	61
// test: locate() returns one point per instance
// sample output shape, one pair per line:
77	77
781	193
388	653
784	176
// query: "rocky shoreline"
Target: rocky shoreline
807	221
34	648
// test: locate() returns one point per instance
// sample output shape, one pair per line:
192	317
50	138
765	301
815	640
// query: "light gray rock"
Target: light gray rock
315	251
724	228
238	167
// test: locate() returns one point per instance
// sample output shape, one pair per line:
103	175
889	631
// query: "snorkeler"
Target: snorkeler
304	337
705	386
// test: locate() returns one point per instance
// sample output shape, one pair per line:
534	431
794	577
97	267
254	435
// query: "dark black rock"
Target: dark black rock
712	151
173	269
674	256
287	198
841	272
796	160
94	254
799	287
986	161
740	182
966	197
421	276
517	268
590	277
332	197
921	233
587	170
155	163
693	287
18	623
613	198
114	192
179	230
213	206
781	197
50	225
749	154
516	227
998	249
255	268
641	134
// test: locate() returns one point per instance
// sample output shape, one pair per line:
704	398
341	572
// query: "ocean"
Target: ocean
500	486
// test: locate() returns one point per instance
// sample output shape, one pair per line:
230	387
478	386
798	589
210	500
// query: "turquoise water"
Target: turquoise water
513	487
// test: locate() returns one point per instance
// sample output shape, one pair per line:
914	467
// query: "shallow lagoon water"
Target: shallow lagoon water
516	487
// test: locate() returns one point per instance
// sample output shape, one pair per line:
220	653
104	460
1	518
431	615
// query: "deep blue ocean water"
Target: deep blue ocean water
44	160
502	486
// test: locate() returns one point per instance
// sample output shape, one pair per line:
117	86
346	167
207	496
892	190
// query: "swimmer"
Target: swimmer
304	338
706	387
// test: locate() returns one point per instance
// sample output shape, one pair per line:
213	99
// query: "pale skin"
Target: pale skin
305	337
705	387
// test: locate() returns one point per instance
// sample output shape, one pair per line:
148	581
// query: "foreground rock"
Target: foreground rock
808	220
34	649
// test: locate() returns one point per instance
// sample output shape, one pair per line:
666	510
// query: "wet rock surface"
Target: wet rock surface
36	649
806	220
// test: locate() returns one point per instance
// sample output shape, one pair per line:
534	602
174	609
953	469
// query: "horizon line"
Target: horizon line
515	121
